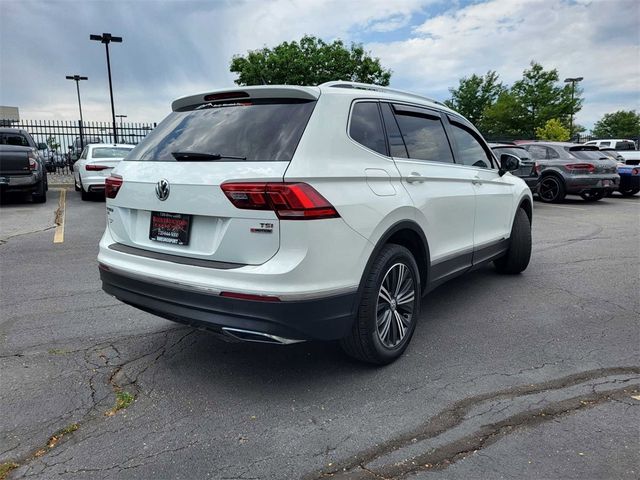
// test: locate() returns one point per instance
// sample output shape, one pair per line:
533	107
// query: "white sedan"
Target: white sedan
95	165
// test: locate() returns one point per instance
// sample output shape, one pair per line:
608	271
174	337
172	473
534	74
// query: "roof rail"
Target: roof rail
376	88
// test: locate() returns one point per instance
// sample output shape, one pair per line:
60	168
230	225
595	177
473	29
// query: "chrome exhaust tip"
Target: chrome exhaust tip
259	337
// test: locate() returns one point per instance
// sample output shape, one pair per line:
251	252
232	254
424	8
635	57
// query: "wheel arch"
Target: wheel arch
408	234
526	205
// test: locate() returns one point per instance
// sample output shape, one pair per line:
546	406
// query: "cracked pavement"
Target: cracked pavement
531	376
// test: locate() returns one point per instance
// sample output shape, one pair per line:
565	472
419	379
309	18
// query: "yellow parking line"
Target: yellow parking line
58	236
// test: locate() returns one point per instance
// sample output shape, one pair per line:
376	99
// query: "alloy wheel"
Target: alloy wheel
395	304
549	189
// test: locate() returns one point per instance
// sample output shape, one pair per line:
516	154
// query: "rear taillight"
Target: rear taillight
290	201
96	167
581	167
33	163
635	171
112	186
537	168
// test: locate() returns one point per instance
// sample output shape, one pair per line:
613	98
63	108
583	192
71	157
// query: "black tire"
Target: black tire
629	192
40	194
593	195
551	189
366	341
517	257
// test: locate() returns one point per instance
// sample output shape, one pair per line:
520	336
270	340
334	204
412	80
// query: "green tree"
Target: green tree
620	124
308	62
543	98
506	118
553	131
475	94
52	143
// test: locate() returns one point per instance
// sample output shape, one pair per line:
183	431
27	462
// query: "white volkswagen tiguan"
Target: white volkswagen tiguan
283	213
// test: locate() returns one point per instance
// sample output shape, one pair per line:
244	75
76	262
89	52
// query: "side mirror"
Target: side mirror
42	146
508	163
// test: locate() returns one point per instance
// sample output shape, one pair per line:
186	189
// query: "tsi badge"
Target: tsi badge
264	228
162	190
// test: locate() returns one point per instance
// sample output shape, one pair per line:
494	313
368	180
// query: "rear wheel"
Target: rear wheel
388	309
517	257
593	195
628	192
551	189
40	194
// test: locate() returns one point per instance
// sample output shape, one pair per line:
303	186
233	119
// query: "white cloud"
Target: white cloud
598	40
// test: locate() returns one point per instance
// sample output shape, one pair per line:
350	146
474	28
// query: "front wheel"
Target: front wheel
517	257
388	309
551	189
593	195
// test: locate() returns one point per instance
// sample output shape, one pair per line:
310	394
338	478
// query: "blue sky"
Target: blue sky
176	48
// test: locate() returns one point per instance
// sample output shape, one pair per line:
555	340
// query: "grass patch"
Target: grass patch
5	468
123	400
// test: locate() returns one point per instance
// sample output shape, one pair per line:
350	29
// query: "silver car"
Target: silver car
569	168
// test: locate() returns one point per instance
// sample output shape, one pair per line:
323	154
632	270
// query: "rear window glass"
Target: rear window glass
587	154
110	152
13	139
518	152
366	127
259	131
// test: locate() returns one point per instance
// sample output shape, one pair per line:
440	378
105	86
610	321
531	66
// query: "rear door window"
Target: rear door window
605	144
625	146
537	152
366	128
261	130
423	134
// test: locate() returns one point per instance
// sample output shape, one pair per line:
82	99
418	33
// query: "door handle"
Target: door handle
415	177
476	181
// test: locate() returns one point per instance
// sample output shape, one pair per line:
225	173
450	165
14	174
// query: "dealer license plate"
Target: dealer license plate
170	228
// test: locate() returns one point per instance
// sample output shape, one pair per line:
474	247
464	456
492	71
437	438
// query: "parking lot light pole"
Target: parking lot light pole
573	82
121	128
77	79
107	38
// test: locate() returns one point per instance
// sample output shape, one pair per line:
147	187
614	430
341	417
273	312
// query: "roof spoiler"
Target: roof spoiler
245	93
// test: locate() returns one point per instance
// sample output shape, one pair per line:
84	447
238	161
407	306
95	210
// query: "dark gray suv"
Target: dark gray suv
569	168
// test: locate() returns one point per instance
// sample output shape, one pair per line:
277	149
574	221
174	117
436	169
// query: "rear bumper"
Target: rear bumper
19	182
327	318
629	181
581	183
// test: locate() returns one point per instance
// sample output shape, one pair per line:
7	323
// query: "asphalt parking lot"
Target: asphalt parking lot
533	376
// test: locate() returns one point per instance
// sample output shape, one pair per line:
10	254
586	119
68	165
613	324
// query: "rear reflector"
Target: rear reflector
96	167
290	201
582	167
248	296
112	186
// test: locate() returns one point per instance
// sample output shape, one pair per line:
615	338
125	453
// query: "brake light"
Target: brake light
581	167
290	201
96	167
248	296
33	164
112	186
213	97
635	171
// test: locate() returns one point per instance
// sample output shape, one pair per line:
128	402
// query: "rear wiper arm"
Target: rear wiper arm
203	157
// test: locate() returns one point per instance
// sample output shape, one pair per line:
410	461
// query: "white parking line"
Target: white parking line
562	206
58	236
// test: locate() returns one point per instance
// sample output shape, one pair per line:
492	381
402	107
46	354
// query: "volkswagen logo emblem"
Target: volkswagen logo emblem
163	190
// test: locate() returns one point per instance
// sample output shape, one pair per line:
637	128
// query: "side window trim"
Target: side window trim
382	105
452	121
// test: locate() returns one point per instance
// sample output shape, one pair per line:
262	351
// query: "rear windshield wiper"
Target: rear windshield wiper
203	157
